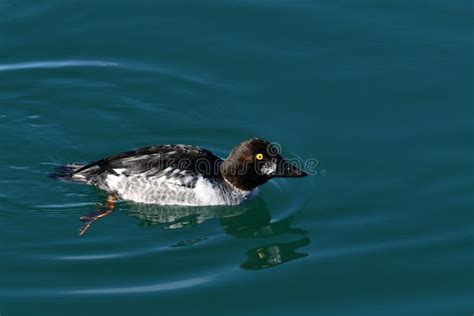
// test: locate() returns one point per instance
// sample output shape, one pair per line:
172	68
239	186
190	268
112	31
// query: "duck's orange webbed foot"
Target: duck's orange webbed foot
100	212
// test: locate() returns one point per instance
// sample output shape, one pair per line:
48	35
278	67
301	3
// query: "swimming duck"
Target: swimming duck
183	174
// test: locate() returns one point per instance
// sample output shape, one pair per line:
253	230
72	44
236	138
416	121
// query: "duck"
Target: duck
181	175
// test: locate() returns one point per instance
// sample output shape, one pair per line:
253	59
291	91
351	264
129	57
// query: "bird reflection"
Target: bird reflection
250	220
175	217
270	255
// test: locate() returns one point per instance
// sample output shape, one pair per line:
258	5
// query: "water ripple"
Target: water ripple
56	64
412	242
139	252
147	288
174	72
64	206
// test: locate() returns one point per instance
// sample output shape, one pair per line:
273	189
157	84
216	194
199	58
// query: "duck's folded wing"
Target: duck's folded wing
177	164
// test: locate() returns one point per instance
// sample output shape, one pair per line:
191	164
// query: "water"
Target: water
380	93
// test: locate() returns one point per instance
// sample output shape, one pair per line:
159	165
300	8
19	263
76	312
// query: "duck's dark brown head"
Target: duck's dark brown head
254	162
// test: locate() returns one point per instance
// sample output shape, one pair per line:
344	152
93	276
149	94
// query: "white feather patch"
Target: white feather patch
269	167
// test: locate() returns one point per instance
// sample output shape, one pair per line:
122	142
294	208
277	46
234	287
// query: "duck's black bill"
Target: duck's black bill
287	170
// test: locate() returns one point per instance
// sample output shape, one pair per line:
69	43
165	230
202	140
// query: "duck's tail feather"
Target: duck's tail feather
65	173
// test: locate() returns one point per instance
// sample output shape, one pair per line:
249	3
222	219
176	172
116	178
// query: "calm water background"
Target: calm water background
380	92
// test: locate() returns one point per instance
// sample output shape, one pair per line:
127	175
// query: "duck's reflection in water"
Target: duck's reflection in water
250	220
270	255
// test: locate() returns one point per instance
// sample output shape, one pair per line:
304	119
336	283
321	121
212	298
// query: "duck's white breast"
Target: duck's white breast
171	191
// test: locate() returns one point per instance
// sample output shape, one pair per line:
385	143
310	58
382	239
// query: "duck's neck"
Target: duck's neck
241	178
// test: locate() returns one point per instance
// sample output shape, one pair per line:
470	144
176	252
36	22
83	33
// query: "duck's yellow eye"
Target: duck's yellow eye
259	156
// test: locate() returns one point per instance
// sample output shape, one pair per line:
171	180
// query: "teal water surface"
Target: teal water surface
379	92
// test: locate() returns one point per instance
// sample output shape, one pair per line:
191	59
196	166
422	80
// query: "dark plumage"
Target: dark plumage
183	174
